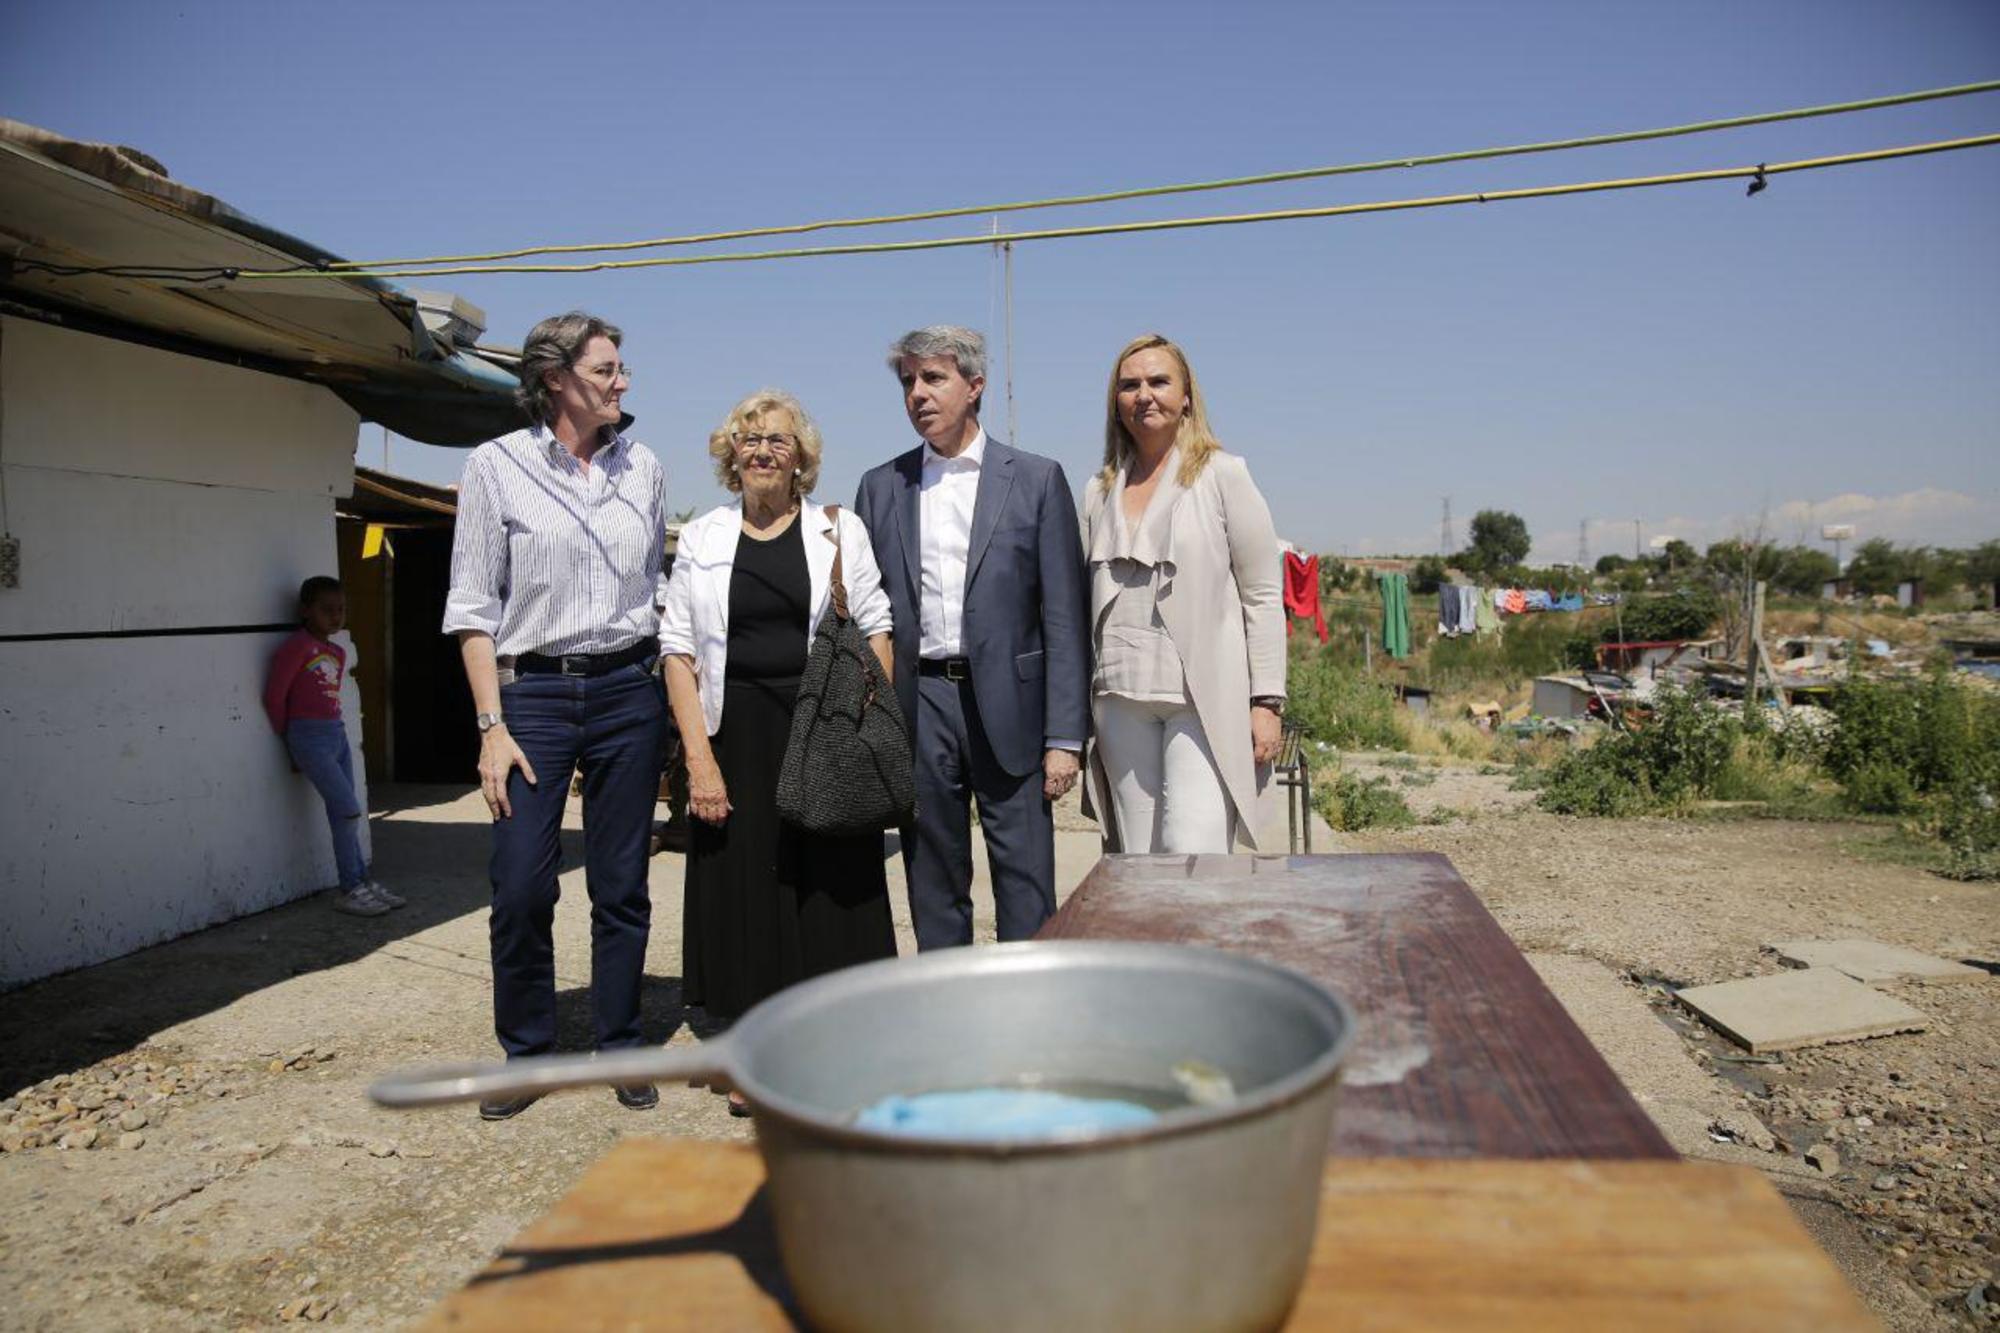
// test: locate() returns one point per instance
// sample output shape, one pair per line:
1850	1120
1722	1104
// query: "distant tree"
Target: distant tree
1804	570
1612	563
1499	541
1982	565
1941	569
1877	566
1737	562
1427	573
1678	555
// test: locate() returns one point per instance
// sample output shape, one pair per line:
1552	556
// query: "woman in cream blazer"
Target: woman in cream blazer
767	904
1187	618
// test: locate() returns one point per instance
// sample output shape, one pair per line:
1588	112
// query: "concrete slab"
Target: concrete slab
1872	960
1811	1007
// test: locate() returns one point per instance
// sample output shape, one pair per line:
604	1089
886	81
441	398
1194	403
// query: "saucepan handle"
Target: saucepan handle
439	1084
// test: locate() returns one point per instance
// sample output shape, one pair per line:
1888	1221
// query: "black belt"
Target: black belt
584	664
951	668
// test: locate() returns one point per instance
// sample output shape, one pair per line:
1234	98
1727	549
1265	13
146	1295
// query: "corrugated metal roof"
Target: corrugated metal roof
75	204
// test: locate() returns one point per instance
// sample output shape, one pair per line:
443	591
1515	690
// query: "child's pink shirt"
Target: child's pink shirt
304	680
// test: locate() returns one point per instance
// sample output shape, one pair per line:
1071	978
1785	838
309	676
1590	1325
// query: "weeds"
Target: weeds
1350	804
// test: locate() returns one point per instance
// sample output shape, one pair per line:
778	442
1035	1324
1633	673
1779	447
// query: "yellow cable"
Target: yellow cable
1153	191
1168	224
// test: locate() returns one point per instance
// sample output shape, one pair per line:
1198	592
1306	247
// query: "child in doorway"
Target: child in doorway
302	699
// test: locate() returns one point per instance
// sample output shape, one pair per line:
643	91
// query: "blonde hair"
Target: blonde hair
722	440
1195	441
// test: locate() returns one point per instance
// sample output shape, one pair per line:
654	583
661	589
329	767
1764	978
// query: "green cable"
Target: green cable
1168	224
1234	182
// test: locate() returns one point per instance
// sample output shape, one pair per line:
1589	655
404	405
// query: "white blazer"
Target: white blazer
695	621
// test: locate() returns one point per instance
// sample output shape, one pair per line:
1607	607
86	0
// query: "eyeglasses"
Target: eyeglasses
606	374
783	444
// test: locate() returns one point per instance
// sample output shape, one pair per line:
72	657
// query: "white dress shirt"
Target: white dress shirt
945	500
549	556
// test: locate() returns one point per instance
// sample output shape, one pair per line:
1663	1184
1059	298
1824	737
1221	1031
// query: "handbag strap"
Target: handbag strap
839	569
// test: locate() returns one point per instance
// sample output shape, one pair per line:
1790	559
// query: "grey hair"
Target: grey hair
555	344
966	347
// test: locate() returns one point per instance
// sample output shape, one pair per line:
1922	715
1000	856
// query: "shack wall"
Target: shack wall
167	508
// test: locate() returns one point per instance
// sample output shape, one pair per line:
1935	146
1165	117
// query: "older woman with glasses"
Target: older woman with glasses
767	904
555	578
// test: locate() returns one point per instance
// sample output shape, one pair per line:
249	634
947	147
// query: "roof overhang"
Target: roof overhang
383	350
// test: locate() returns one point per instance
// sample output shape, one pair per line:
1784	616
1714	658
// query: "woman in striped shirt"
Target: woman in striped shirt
555	583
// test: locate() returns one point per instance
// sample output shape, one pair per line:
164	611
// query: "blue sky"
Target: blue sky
1687	356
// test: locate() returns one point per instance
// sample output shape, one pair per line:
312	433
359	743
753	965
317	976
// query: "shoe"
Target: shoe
505	1108
361	900
638	1096
738	1107
382	892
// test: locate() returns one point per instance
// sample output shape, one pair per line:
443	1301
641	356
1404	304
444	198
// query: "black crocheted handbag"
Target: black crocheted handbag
847	764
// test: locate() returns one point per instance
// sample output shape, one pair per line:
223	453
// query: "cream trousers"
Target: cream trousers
1166	792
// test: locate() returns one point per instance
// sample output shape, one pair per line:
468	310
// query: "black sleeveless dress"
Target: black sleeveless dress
767	904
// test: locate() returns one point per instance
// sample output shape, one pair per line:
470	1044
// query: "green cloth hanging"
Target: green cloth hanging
1395	614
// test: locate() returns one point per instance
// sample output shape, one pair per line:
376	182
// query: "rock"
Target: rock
13	1142
319	1307
379	1148
1823	1157
131	1139
294	1308
276	1067
1822	1108
1886	1182
1743	1129
134	1119
78	1139
89	1099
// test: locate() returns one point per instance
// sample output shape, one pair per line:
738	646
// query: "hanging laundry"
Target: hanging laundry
1395	614
1447	611
1302	592
1537	599
1517	602
1485	618
1569	601
1468	610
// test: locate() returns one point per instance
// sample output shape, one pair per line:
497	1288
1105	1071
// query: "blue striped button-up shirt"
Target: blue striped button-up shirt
551	557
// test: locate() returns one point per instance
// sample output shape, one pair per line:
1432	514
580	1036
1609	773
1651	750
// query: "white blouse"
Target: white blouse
695	620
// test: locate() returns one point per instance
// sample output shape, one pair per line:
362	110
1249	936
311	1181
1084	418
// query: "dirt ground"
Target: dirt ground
1908	1200
262	1187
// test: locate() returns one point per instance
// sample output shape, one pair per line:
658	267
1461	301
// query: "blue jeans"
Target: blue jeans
319	747
614	727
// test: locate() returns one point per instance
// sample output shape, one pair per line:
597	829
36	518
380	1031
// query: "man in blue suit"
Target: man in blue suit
981	557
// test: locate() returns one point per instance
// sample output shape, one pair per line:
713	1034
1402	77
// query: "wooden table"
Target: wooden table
1462	1051
1487	1168
675	1234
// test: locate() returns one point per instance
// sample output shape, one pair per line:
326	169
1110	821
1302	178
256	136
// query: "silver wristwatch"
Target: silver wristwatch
487	721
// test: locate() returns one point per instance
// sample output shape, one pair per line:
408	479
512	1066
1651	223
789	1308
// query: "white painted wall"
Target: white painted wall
142	794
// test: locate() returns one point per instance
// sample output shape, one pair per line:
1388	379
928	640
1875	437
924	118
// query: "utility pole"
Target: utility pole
1445	533
1637	553
1583	543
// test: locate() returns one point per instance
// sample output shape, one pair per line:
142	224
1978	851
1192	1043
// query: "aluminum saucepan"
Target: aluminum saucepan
1201	1219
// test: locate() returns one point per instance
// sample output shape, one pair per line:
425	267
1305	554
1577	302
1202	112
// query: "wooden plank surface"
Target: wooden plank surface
674	1234
1462	1051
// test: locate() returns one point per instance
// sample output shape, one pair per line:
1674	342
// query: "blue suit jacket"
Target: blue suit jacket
1027	598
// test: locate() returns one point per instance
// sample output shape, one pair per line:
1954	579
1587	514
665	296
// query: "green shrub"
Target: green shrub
1968	824
1899	742
1686	613
1880	788
1338	704
1350	804
1679	755
1602	781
